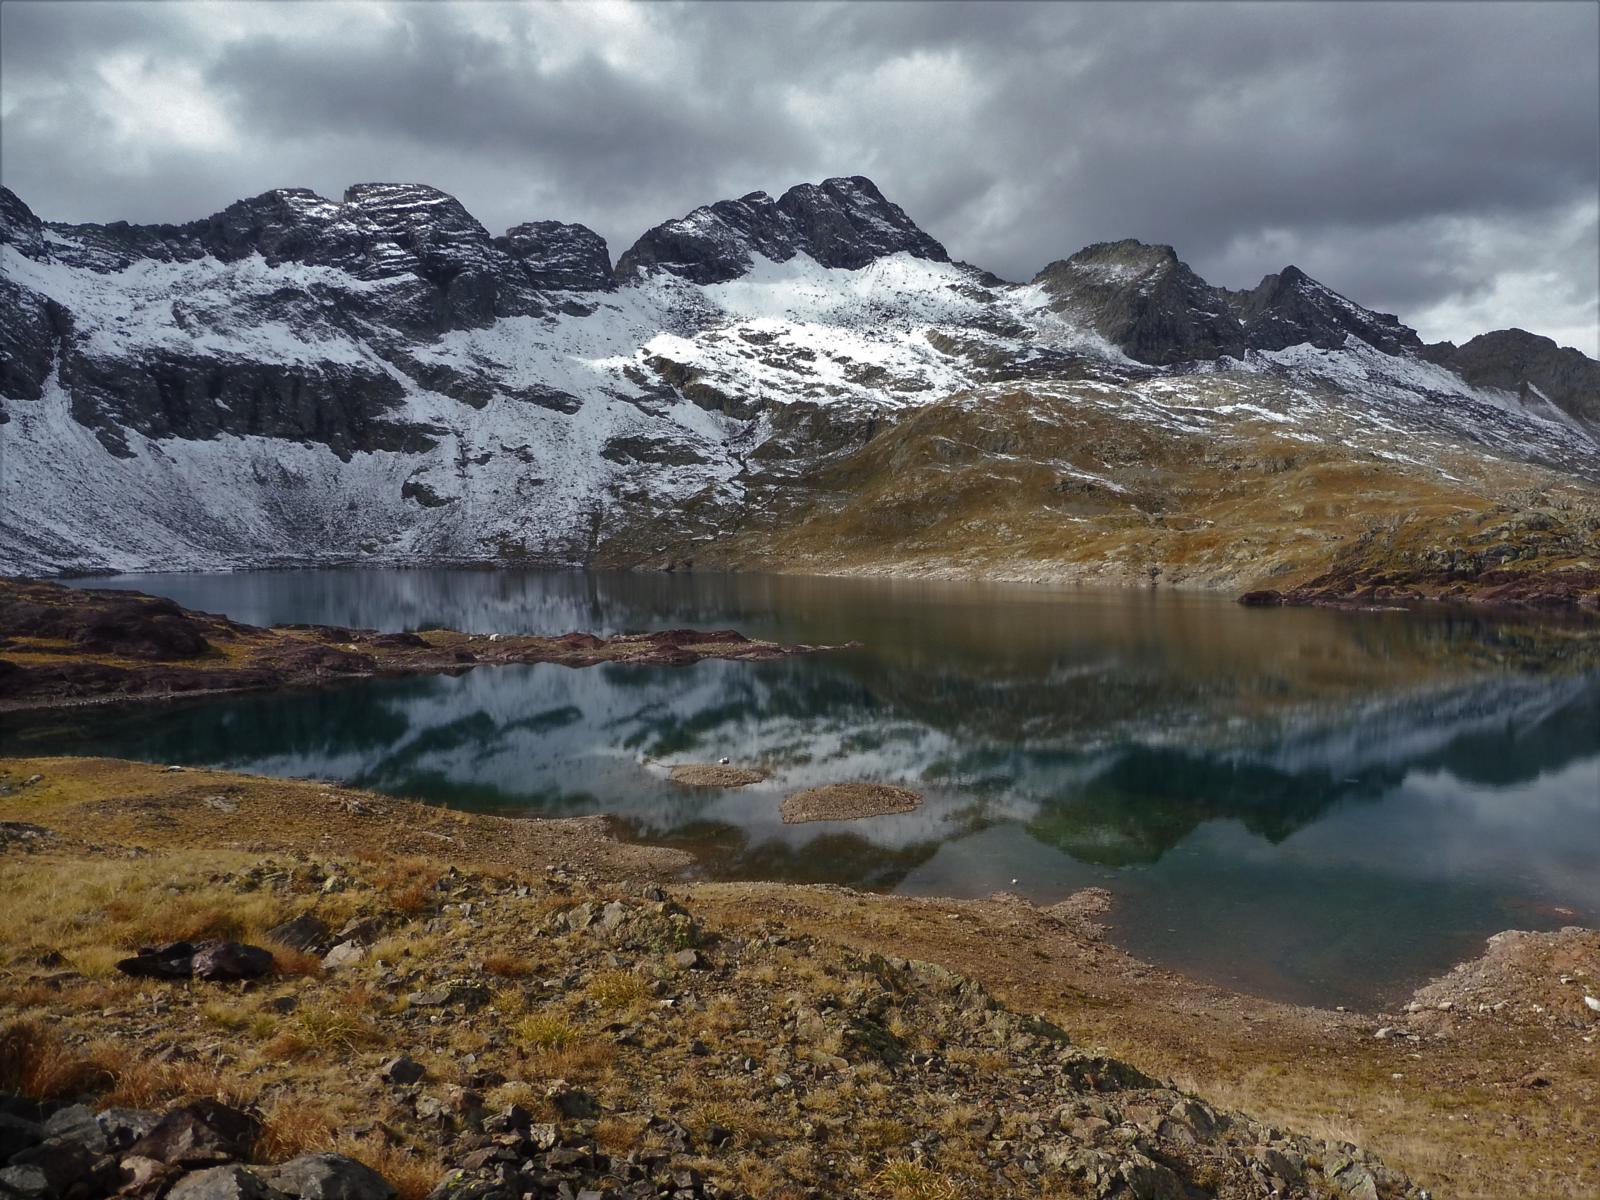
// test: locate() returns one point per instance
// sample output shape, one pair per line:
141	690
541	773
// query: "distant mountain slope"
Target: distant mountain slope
380	378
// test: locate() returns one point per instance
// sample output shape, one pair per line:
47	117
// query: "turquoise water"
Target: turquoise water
1310	805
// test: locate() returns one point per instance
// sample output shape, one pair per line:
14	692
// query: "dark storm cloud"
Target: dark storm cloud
1438	160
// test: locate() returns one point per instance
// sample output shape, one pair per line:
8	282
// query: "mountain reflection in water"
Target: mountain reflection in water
1310	804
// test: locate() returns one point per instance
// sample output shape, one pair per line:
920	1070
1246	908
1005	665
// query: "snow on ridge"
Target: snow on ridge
545	483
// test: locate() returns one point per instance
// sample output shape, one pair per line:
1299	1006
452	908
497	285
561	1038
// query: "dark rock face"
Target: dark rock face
560	257
1145	301
18	225
1515	360
173	395
842	222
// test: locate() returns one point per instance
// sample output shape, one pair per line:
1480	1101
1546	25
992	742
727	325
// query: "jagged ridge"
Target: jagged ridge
379	378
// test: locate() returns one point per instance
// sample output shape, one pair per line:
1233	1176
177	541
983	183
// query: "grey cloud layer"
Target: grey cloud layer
1438	160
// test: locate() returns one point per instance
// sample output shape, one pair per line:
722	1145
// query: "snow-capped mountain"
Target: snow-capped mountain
297	379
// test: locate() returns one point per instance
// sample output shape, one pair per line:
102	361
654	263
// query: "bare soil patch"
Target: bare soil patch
847	802
715	775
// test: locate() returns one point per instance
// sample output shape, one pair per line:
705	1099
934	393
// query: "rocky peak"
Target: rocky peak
841	222
847	222
1535	368
1143	299
286	225
18	226
558	256
1291	309
1147	302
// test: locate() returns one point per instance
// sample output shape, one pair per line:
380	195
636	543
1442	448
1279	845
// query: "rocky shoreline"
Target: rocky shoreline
1575	593
69	646
475	1006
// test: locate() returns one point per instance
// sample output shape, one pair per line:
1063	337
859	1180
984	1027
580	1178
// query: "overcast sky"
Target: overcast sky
1437	160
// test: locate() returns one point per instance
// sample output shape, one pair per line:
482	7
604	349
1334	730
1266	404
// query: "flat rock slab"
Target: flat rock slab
716	775
848	801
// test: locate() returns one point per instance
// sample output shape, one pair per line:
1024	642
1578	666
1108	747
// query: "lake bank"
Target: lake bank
62	646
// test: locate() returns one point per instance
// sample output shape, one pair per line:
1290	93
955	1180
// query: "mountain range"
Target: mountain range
802	383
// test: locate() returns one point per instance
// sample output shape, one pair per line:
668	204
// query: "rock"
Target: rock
328	1177
572	1103
76	1123
1287	1165
27	1183
345	954
144	1176
307	933
65	1167
220	961
689	960
223	1183
201	1132
18	1134
365	930
402	1070
1591	1003
125	1126
174	960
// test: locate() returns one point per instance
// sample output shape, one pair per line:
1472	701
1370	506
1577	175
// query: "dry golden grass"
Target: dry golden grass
580	1061
545	1031
902	1179
286	960
617	991
410	885
504	964
36	1061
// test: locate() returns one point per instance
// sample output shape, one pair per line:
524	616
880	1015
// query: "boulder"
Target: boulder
328	1177
200	1133
223	1183
18	1134
402	1069
221	961
173	960
344	954
307	933
62	1167
76	1123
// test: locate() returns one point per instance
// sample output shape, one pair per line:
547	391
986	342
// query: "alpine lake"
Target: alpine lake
1305	804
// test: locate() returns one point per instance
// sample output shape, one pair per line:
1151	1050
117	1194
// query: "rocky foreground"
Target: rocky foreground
387	1027
213	985
61	645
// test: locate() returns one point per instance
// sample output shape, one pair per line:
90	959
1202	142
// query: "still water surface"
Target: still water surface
1311	805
